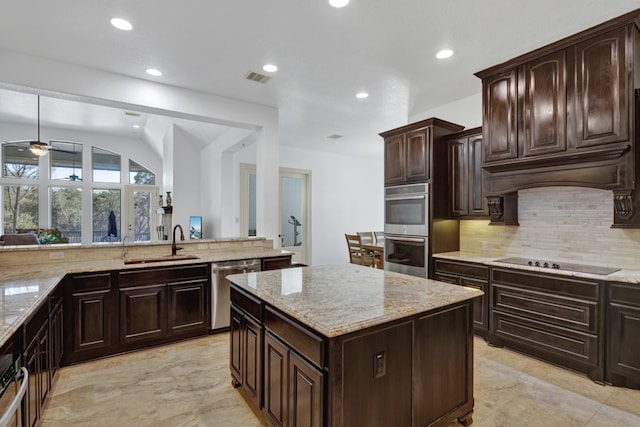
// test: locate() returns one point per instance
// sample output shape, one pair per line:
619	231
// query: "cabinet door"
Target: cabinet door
57	337
545	104
418	155
306	390
142	313
477	202
394	158
480	305
603	89
252	365
44	362
276	361
235	352
500	102
92	320
458	179
623	330
187	306
31	398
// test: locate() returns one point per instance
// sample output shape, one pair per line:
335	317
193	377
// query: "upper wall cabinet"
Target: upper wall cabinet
408	150
565	114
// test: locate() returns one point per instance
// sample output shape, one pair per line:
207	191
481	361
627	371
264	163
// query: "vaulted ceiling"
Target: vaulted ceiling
325	55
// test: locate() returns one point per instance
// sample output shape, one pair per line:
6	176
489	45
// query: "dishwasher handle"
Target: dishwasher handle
15	403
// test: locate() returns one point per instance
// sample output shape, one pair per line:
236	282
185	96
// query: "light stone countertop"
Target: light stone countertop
338	299
622	276
24	287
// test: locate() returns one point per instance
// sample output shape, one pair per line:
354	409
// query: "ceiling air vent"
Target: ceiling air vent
335	136
257	77
130	113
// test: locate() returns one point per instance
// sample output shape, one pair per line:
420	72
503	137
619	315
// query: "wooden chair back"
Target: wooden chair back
356	254
366	237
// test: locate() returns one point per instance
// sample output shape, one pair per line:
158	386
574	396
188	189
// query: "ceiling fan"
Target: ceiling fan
38	147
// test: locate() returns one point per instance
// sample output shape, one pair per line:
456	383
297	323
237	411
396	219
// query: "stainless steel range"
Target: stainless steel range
580	268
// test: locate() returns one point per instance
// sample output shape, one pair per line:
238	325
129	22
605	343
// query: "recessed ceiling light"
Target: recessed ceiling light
121	24
362	95
338	3
136	126
444	53
270	68
154	72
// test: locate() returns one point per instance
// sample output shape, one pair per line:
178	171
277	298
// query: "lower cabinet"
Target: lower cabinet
623	335
555	318
246	353
118	311
471	275
41	355
276	263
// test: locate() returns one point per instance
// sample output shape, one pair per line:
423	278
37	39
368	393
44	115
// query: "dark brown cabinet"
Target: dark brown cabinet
157	303
623	330
246	344
471	275
555	318
466	177
275	263
91	316
408	150
565	114
41	354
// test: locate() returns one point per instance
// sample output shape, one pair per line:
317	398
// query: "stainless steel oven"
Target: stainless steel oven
406	209
407	254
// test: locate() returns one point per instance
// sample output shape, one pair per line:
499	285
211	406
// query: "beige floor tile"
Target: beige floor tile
188	384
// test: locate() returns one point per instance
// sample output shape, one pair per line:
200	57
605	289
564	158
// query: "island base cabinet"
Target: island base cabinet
293	388
376	378
246	354
444	367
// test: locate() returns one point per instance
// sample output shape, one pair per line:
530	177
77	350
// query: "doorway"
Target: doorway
141	218
295	209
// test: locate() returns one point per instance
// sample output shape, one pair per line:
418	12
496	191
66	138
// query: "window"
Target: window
106	215
66	212
66	161
106	165
53	192
20	207
138	174
18	162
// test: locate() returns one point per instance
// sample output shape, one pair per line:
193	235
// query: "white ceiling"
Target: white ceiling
325	55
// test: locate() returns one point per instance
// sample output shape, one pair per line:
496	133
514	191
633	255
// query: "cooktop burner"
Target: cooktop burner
591	269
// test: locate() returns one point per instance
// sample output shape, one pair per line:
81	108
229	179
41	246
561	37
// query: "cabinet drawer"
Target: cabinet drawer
90	282
152	276
249	304
304	341
547	341
448	278
462	269
558	310
552	283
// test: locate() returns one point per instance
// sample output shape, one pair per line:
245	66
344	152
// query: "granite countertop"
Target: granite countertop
338	299
622	276
23	287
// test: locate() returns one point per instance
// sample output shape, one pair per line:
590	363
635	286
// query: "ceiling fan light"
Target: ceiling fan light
38	149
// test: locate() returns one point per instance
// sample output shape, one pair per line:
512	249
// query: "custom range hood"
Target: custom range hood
566	114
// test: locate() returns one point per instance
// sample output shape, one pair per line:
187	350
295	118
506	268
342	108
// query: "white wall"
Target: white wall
466	112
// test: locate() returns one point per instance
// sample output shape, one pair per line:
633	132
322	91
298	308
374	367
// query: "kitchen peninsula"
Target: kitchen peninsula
349	345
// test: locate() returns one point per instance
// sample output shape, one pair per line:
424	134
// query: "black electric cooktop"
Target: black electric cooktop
580	268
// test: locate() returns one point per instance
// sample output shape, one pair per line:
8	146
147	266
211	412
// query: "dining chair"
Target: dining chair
379	237
356	254
366	237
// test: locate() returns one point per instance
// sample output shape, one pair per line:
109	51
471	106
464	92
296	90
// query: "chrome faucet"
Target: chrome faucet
174	248
124	250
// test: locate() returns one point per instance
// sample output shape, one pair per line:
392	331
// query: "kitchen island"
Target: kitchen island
349	345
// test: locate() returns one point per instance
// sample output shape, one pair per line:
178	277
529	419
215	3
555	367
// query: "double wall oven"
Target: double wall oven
406	229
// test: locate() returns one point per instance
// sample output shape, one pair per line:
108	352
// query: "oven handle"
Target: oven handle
13	407
420	197
406	239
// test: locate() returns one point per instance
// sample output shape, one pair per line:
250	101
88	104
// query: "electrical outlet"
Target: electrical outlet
56	255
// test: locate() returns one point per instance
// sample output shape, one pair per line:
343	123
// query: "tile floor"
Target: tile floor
188	384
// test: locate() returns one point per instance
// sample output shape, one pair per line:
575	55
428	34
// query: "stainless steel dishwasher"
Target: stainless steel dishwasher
220	303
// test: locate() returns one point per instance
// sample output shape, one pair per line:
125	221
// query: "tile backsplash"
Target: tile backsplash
567	224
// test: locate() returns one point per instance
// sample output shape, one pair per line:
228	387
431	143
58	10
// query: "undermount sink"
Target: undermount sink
167	258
